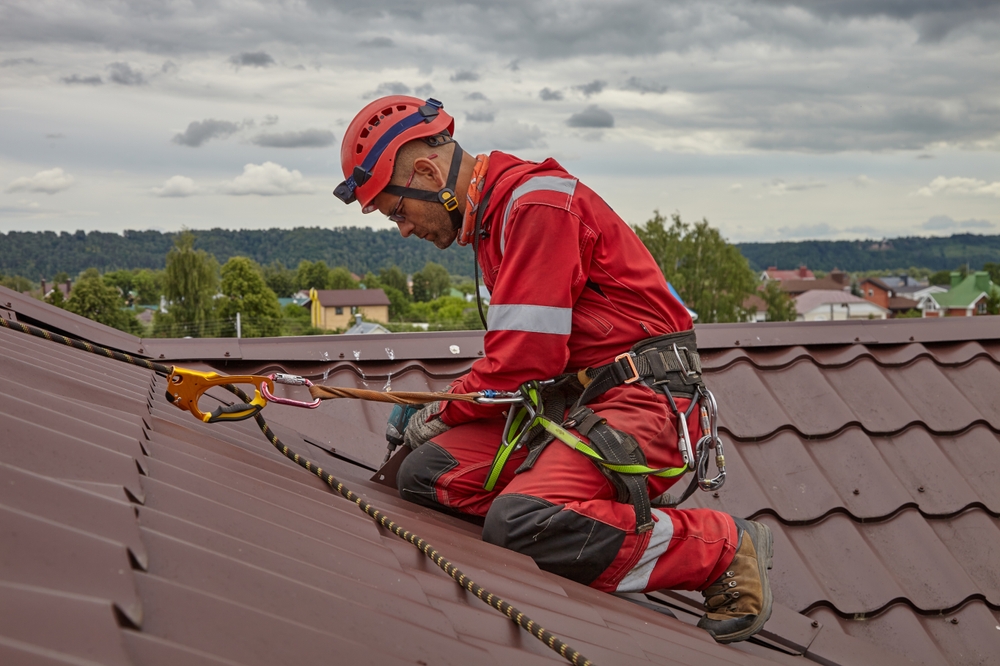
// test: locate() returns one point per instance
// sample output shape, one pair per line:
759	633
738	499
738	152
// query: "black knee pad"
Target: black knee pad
564	542
419	472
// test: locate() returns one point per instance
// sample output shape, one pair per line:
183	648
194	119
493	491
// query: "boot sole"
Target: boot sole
763	543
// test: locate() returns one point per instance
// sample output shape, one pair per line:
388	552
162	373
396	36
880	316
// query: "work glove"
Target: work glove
419	430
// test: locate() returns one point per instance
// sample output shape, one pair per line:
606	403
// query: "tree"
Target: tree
281	280
393	277
711	276
94	299
190	283
341	278
431	283
148	286
780	306
312	275
993	269
17	283
245	292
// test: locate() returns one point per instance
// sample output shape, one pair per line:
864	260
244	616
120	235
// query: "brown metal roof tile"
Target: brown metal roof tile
874	402
807	399
973	539
978	384
748	409
58	502
153	651
40	553
927	389
44	624
220	627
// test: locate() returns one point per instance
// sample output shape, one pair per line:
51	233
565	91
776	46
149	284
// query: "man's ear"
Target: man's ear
430	170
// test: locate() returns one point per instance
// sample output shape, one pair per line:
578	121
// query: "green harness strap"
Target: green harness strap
518	426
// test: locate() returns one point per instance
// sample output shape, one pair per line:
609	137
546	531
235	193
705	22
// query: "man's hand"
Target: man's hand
419	430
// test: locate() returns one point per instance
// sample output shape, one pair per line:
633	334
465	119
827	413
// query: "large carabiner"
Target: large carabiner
185	387
710	440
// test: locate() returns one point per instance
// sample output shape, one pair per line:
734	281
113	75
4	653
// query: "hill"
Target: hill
897	253
45	253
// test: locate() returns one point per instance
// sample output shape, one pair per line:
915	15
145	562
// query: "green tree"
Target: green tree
993	301
430	283
245	292
340	278
780	306
123	281
281	280
190	283
311	275
148	286
95	299
711	276
17	283
393	277
56	298
399	304
993	269
60	277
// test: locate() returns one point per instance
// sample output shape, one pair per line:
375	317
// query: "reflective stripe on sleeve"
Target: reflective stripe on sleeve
548	183
530	318
637	580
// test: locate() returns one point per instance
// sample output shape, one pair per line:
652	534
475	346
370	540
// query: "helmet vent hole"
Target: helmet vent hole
364	135
360	149
373	120
387	111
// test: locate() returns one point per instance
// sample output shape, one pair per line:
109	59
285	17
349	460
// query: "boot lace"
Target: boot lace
722	593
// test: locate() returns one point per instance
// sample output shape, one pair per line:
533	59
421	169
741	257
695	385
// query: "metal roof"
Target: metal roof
135	534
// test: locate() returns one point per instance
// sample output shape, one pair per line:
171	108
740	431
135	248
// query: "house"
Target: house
833	305
833	281
365	327
876	291
966	298
335	308
135	534
800	273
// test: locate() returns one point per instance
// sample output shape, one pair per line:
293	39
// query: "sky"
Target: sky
772	119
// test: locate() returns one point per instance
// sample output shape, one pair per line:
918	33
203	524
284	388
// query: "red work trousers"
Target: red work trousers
563	511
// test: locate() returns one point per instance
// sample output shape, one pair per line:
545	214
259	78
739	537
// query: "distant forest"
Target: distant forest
937	254
43	254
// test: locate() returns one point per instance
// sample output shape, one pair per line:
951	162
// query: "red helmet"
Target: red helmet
376	134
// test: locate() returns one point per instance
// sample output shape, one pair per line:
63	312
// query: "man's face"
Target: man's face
427	220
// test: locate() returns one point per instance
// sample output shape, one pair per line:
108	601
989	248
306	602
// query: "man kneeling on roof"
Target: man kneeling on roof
574	296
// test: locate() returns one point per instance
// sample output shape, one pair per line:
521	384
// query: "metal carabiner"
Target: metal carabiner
292	380
710	440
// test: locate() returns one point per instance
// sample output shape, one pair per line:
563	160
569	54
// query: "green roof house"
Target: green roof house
966	298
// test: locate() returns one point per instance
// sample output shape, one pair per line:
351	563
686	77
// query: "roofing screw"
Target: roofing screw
162	356
480	352
341	355
920	489
226	354
911	338
815	624
715	494
140	350
954	620
737	343
857	492
857	339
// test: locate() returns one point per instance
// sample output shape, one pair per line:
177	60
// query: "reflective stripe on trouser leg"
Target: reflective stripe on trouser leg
637	579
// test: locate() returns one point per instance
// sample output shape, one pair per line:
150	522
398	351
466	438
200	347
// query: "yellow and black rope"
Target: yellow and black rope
517	616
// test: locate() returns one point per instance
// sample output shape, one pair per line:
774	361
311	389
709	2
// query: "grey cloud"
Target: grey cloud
476	97
13	62
945	223
310	138
464	75
270	119
592	117
378	43
502	135
593	88
56	135
76	79
198	132
426	90
925	156
808	231
642	87
168	67
121	73
390	88
480	116
549	95
254	59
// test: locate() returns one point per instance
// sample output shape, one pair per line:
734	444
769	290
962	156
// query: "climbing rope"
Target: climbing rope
517	616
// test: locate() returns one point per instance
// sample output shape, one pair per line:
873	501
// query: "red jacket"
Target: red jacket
571	284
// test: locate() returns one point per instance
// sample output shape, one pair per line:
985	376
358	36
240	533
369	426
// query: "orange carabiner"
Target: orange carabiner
185	387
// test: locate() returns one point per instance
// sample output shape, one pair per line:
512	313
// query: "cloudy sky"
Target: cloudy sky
774	119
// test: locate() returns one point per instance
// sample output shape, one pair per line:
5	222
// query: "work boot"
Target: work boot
739	602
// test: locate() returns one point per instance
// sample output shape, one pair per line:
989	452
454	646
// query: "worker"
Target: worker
572	289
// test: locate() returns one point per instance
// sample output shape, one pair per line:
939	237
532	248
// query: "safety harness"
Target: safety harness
668	364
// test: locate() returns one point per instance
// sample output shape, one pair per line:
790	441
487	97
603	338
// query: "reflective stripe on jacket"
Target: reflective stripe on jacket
571	284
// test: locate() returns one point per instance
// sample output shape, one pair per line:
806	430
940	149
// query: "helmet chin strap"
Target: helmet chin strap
446	197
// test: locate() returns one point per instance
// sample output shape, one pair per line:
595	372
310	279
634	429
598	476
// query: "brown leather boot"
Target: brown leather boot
739	602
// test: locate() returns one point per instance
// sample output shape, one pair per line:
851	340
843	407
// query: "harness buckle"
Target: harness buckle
685	367
631	364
